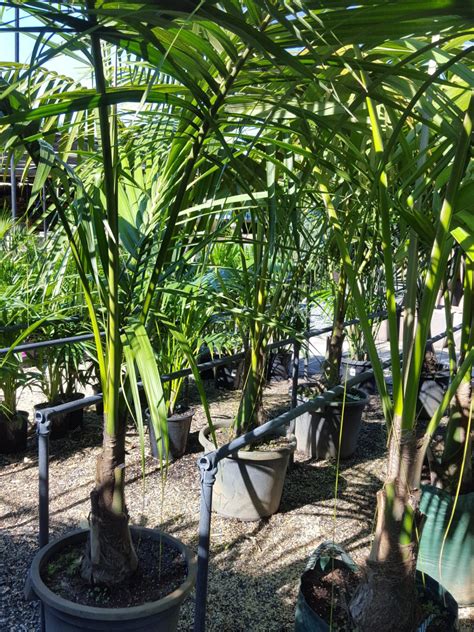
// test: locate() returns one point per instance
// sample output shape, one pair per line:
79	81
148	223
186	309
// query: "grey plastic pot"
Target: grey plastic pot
179	426
429	591
62	615
249	485
13	432
317	432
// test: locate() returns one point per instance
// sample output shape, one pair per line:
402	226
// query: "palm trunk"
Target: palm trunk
110	557
332	362
390	569
250	414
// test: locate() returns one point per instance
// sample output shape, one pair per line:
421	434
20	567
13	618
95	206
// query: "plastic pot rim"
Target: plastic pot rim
247	455
72	608
364	398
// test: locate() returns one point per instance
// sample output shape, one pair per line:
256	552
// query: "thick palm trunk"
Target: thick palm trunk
386	599
110	557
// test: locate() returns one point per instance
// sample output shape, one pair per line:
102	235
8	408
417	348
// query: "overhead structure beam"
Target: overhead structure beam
13	192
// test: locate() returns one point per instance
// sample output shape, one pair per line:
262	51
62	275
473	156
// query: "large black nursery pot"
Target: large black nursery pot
62	423
99	407
433	387
13	432
179	426
318	431
249	485
429	592
350	368
62	615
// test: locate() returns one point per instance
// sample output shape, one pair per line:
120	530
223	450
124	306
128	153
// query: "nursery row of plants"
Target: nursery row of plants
224	170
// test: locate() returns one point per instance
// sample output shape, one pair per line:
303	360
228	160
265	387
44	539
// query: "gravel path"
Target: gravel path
255	567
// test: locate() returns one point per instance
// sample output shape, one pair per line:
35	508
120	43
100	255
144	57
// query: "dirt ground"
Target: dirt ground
255	567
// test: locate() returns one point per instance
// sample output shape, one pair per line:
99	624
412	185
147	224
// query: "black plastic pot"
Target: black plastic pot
99	407
179	426
13	432
317	432
432	389
249	485
279	366
205	356
306	620
446	554
62	423
62	615
351	368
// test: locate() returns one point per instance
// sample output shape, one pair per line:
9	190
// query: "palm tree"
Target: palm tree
391	565
117	250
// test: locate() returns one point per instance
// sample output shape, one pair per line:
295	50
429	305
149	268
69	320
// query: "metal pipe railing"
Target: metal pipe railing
43	416
208	466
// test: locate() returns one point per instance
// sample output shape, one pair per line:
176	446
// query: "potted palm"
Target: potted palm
15	316
13	422
108	251
249	485
179	322
333	430
130	223
389	579
60	373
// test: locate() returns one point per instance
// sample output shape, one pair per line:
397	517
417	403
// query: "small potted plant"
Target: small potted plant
13	422
249	484
60	373
331	430
17	320
178	335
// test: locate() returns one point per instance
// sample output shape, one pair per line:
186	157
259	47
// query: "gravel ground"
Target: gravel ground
255	567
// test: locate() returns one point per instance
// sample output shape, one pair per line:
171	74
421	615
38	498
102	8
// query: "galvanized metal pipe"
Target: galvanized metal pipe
43	427
13	192
208	469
